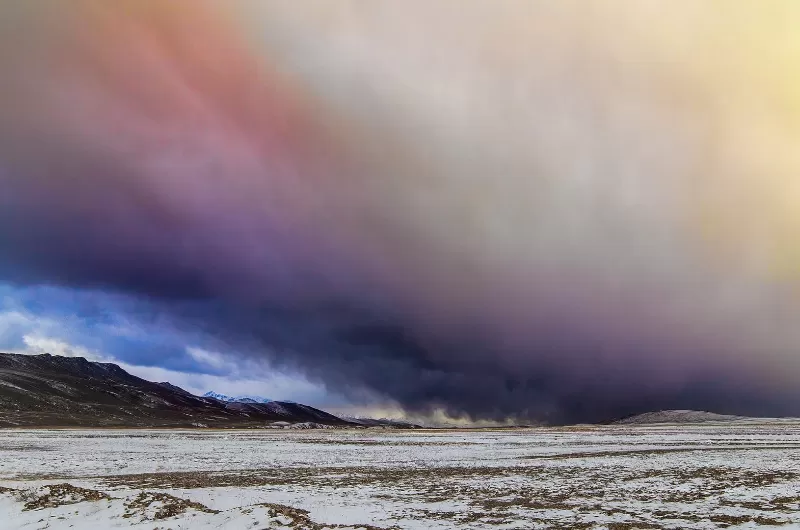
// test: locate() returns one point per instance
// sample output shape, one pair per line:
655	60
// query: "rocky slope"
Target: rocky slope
53	391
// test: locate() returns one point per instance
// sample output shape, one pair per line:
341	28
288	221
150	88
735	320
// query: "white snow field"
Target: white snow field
726	475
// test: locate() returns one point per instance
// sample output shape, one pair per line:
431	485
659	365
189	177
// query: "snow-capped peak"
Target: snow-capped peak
238	399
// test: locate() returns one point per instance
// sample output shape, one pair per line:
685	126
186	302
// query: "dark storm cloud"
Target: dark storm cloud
533	227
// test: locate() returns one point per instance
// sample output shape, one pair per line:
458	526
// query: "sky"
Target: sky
542	211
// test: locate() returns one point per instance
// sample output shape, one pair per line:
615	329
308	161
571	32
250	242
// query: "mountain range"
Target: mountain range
54	391
238	399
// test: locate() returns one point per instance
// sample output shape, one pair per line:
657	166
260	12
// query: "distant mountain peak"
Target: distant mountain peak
238	399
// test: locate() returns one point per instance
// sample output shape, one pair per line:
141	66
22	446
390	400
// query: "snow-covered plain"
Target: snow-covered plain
733	475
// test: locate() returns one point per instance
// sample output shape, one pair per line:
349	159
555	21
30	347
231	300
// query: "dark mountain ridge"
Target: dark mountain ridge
53	391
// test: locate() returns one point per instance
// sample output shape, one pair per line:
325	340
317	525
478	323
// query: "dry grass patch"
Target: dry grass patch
299	518
56	495
157	506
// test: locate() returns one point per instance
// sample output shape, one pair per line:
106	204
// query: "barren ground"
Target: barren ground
740	475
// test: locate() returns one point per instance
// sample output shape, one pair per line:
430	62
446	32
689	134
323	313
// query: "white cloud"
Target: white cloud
14	324
37	344
10	321
214	360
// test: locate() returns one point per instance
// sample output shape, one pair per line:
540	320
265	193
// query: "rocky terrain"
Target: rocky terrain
53	391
